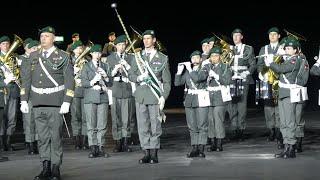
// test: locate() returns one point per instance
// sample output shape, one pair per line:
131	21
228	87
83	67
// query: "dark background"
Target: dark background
179	26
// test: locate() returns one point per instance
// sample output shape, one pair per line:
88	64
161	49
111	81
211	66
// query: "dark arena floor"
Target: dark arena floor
249	159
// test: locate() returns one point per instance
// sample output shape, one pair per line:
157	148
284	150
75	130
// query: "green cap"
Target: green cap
273	29
4	39
48	29
75	45
292	42
206	40
27	41
237	30
149	32
212	39
195	53
215	50
121	39
111	34
96	48
32	44
75	34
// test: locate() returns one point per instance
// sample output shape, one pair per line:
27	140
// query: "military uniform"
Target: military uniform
78	119
196	114
2	104
147	103
95	105
122	99
48	83
290	112
271	110
244	65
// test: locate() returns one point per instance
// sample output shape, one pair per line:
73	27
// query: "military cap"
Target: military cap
48	29
215	50
111	34
149	32
195	53
76	44
237	30
75	34
4	39
121	39
206	40
96	48
273	29
292	42
27	41
33	44
212	39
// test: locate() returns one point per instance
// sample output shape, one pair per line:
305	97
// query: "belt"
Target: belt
239	67
124	79
195	91
47	90
288	86
214	88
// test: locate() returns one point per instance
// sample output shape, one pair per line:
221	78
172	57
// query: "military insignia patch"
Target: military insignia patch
70	93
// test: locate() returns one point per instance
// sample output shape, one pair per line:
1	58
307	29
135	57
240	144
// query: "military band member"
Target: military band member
271	110
2	86
149	103
78	119
218	77
294	74
95	79
109	47
48	83
122	99
243	66
12	95
211	42
31	137
205	49
75	37
196	112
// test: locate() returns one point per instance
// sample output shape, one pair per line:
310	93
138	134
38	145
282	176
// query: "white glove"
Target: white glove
9	78
180	69
64	108
102	72
78	81
318	61
96	87
244	74
213	74
125	64
24	108
115	69
161	103
104	88
76	69
188	67
96	78
142	77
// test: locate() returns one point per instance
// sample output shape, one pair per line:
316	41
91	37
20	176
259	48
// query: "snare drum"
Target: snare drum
236	88
263	90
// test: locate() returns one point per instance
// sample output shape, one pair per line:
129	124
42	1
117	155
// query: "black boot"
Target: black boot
292	152
279	139
298	148
201	151
85	145
194	152
271	136
30	148
283	153
235	135
77	142
46	171
219	145
35	147
146	157
55	173
1	143
8	143
154	156
118	147
125	146
92	153
102	153
213	145
241	136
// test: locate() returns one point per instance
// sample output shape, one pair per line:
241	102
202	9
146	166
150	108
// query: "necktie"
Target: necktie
45	54
148	55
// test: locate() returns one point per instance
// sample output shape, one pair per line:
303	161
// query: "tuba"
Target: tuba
227	53
9	61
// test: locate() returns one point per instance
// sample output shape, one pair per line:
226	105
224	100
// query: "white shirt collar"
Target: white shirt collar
50	51
274	45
